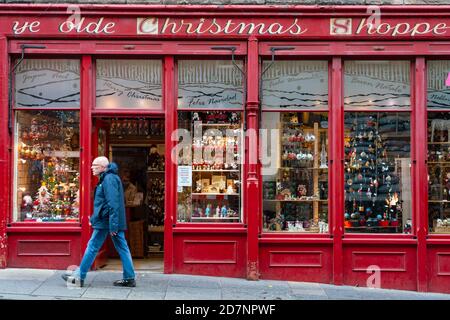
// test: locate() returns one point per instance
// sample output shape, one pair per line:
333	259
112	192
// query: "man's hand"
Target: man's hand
113	234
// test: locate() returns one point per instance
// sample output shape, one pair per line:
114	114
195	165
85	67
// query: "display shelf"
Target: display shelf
302	168
439	201
215	171
295	200
155	171
219	125
439	162
215	218
215	194
439	143
374	227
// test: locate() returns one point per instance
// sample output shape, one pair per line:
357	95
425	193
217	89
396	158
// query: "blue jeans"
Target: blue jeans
95	243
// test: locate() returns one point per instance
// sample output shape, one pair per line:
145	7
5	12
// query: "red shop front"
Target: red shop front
312	143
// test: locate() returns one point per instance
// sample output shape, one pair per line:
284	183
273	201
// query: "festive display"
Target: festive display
373	177
49	158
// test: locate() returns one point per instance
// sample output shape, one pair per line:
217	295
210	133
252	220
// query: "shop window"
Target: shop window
295	84
210	84
377	85
438	146
377	172
41	83
295	171
209	166
129	84
47	164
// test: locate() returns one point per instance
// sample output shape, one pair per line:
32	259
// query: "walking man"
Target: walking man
108	217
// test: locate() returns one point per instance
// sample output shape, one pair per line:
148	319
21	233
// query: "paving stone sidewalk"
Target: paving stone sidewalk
33	284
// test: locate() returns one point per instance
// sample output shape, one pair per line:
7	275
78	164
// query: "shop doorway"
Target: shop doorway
136	145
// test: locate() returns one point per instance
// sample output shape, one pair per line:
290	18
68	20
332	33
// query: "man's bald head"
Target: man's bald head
99	165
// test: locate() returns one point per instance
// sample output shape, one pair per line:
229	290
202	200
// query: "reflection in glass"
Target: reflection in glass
129	84
439	171
43	83
377	172
47	152
295	173
209	84
295	84
376	84
438	87
210	150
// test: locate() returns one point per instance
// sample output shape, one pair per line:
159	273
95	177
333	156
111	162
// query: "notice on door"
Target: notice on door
184	176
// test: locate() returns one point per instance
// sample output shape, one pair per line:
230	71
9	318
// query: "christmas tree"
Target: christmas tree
371	179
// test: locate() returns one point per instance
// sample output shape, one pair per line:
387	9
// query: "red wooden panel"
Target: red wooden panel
385	260
213	254
443	263
397	265
44	251
43	248
210	251
202	47
296	262
295	259
129	46
50	46
362	47
438	261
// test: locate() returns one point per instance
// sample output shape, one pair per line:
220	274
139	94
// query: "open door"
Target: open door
100	147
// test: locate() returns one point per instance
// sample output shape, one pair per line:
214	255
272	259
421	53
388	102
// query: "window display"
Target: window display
295	84
377	172
210	84
47	166
439	171
377	84
42	83
295	181
211	164
128	84
438	79
438	104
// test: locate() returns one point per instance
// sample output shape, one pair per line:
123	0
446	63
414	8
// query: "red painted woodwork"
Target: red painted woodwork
103	254
416	261
55	250
4	152
297	262
438	262
212	254
170	200
398	265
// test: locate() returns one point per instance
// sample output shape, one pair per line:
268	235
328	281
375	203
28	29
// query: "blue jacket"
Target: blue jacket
109	203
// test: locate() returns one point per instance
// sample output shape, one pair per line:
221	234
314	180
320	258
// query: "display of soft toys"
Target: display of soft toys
408	226
76	204
217	211
153	158
223	211
42	202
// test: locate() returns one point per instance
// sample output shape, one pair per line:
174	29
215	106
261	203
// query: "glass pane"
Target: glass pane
377	172
295	171
209	84
438	84
47	84
129	84
47	163
209	166
439	171
295	84
377	84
